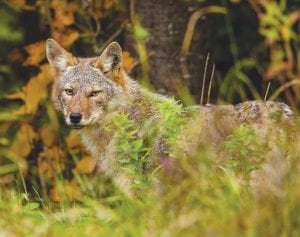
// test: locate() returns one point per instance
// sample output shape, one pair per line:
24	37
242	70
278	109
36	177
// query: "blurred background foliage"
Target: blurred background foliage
218	51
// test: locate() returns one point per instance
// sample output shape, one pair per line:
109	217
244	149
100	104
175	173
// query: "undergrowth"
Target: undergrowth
205	195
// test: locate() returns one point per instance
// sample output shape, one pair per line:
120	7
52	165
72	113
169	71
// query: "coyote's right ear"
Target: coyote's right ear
58	57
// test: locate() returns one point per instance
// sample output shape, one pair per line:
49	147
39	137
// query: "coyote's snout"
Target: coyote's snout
83	87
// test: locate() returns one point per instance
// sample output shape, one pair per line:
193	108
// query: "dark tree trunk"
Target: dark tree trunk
166	21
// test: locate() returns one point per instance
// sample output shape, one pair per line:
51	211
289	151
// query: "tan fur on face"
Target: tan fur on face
85	107
82	104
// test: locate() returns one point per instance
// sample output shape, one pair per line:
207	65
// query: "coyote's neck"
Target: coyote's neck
137	103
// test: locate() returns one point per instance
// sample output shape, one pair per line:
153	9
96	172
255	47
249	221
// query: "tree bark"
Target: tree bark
166	21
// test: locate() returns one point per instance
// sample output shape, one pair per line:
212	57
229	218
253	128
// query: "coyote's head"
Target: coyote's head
83	87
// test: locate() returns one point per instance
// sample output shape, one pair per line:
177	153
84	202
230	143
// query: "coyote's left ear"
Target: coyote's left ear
110	61
57	56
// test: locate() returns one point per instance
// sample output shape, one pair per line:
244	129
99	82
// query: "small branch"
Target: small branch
204	79
110	39
267	91
210	83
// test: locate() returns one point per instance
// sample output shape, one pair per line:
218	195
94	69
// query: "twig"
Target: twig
110	39
204	79
210	83
267	91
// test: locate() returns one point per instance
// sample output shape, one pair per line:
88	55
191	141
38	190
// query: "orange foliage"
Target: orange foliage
36	53
51	161
48	135
73	142
66	39
23	141
34	92
38	125
86	165
23	4
70	191
128	61
64	13
110	4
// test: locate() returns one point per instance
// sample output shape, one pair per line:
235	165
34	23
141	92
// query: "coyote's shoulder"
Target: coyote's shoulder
92	92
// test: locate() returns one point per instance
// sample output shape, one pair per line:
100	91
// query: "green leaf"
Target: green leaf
31	206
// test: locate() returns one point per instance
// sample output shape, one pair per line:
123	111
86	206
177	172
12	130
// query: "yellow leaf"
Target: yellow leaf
22	144
15	96
275	69
51	161
53	116
67	38
35	91
23	5
48	135
286	33
54	155
128	61
69	189
45	169
36	53
73	190
20	111
54	195
86	165
63	15
73	140
110	4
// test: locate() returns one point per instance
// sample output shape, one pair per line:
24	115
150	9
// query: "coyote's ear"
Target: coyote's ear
110	59
58	57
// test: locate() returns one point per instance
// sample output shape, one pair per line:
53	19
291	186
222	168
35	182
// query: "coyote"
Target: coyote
90	92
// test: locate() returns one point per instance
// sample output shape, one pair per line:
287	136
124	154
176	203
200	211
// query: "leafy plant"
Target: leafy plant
130	150
245	150
173	120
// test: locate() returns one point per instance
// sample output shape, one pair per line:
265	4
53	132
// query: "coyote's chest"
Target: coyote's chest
96	139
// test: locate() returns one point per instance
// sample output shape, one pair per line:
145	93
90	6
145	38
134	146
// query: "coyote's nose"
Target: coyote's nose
75	118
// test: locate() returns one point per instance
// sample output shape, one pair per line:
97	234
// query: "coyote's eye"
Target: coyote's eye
95	93
69	91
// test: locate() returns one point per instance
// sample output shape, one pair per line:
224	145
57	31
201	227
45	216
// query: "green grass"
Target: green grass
205	196
208	193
